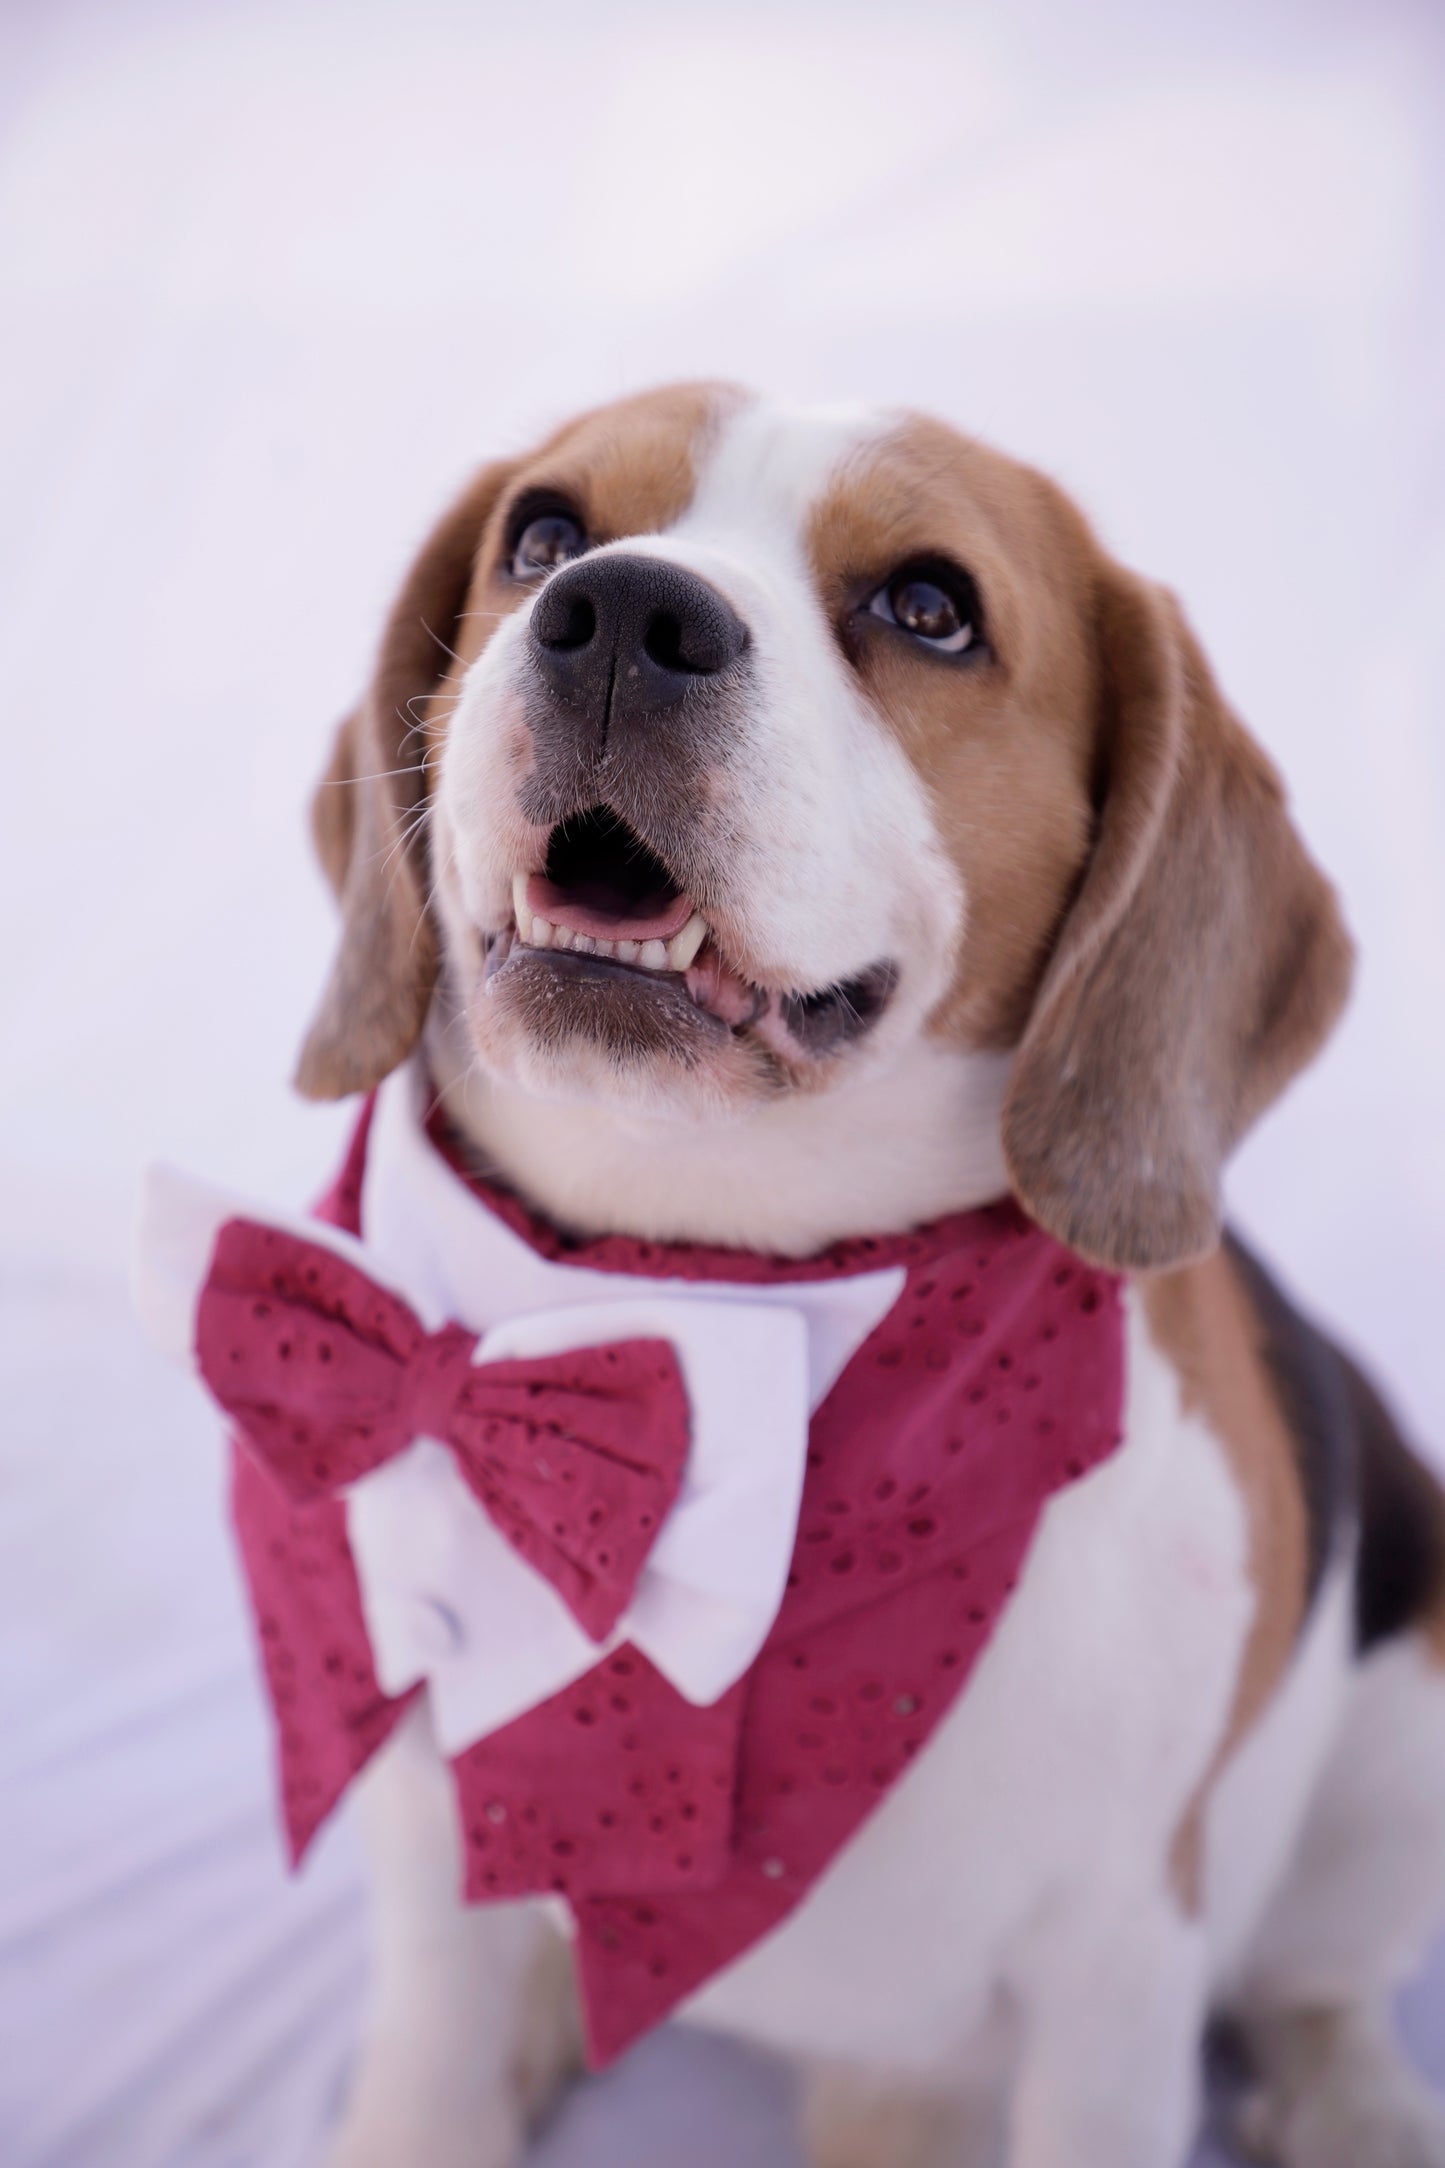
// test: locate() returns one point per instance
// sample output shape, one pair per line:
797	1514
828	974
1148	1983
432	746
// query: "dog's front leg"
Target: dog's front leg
470	2022
1113	2013
857	2119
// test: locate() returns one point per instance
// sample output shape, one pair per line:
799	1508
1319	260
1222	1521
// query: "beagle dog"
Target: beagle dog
769	827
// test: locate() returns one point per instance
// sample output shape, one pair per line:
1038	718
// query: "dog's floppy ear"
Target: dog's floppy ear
1201	965
367	825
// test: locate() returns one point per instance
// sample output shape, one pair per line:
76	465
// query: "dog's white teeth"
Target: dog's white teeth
683	946
678	954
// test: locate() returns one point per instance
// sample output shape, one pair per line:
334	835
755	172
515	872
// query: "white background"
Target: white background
271	280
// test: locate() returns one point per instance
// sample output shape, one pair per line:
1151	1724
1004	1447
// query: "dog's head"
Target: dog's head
717	751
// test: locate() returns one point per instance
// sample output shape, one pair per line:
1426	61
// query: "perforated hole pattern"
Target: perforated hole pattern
681	1834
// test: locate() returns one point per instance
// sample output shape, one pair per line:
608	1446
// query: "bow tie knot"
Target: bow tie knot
434	1381
577	1458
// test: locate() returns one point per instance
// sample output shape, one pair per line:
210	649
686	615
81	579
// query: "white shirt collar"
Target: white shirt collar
447	1600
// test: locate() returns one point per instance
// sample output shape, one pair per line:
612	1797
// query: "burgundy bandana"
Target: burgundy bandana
678	1834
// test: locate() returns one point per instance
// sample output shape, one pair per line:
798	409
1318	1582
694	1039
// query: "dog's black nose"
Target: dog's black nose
622	636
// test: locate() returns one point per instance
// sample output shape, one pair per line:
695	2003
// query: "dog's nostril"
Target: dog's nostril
699	641
574	630
663	642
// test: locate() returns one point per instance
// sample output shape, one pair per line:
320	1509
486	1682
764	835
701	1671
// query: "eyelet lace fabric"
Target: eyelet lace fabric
680	1834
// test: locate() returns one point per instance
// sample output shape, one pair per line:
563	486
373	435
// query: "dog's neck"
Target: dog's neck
890	1150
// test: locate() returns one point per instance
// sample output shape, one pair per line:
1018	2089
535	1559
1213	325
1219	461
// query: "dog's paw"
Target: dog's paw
1346	2119
368	2139
849	2122
367	2149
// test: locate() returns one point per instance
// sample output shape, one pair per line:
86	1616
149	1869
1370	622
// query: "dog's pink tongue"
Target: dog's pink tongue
546	900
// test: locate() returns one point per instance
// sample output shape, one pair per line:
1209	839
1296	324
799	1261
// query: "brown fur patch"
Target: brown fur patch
1200	1318
1357	1469
1004	743
631	468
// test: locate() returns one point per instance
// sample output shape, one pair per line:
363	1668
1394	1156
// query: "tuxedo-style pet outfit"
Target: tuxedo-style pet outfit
690	1548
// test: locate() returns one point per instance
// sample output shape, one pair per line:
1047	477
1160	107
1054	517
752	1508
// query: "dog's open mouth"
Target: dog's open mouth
604	893
606	908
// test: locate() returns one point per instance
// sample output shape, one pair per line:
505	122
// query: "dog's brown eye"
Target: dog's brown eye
549	540
938	606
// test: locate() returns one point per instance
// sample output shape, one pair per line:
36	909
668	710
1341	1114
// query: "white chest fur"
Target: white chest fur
1071	1758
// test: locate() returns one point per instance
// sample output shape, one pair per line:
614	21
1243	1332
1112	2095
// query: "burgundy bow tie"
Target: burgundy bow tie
577	1457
